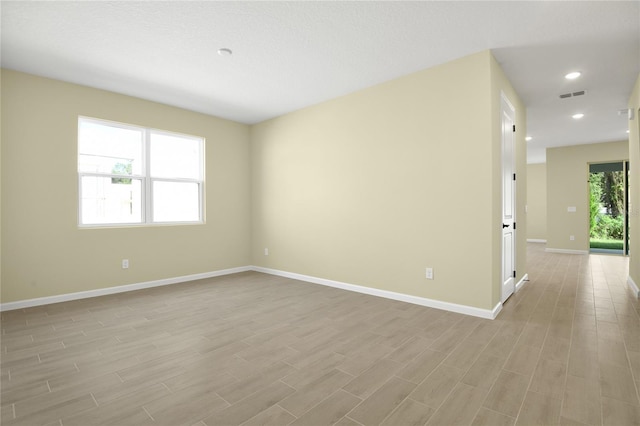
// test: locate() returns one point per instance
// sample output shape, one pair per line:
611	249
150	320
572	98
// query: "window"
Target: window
130	175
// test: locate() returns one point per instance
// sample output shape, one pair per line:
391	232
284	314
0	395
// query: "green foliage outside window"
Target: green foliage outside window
606	205
122	169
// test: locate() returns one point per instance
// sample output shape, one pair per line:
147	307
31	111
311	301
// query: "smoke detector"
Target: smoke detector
628	112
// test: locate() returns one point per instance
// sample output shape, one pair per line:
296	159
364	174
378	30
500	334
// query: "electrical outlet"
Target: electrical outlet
572	238
429	273
125	263
266	251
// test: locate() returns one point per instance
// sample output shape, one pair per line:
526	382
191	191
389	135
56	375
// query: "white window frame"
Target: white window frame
145	177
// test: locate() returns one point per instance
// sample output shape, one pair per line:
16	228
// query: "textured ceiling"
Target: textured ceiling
289	55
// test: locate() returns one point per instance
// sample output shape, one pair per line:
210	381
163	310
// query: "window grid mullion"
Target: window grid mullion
177	180
110	175
148	193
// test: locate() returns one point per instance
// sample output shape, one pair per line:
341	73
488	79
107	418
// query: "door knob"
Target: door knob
504	226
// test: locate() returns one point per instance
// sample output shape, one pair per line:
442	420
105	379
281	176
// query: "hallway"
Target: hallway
580	341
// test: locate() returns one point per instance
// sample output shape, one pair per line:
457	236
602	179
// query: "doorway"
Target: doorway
608	208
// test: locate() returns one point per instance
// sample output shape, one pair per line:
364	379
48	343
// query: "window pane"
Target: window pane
109	149
173	156
176	202
105	200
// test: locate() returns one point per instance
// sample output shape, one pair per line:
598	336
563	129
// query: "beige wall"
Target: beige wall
567	186
537	201
1	133
43	251
367	189
373	187
634	184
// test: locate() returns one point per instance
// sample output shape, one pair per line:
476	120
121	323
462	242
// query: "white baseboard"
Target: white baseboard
423	301
495	311
20	304
536	240
522	282
565	251
634	287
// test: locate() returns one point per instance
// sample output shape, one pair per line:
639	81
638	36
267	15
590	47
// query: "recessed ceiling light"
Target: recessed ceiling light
225	52
627	131
528	138
573	75
578	116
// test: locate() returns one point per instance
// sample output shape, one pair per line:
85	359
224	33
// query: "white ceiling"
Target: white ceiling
289	55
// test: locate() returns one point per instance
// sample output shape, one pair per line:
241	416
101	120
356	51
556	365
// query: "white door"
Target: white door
508	199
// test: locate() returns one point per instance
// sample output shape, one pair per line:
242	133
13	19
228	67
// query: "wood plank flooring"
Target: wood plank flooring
254	349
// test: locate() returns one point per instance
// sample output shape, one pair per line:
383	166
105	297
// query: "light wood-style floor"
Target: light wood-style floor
255	349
